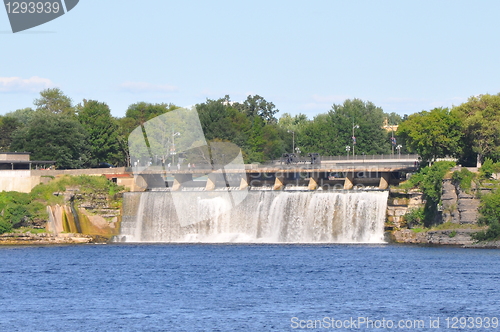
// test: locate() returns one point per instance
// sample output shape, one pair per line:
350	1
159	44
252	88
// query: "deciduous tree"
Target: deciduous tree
53	136
480	117
102	131
433	134
54	101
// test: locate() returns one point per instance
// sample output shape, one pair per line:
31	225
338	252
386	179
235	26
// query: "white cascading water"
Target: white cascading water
263	217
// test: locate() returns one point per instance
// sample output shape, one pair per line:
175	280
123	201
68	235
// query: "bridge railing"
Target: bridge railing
371	157
406	160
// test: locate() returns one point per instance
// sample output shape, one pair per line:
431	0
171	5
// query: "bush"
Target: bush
463	178
490	208
415	216
16	214
5	227
488	168
492	233
430	181
490	215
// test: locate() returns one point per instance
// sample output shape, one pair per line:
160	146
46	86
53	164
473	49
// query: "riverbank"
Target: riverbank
47	239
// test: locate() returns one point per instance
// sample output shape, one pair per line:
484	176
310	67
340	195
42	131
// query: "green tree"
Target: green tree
256	142
53	136
393	118
255	106
490	215
481	124
142	112
433	134
102	130
54	101
8	126
22	115
221	120
136	115
329	134
215	119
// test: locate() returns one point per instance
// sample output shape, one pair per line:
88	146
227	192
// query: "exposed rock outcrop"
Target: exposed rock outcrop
83	213
44	238
438	237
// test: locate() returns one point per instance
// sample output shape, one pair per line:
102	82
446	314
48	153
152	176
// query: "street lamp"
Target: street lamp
353	138
399	150
172	149
293	139
347	149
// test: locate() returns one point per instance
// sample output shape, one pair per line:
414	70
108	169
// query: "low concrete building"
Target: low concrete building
15	171
21	161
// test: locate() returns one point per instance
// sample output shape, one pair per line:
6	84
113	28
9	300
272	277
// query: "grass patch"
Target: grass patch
449	225
31	230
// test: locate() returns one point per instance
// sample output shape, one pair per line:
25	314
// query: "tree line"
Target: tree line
469	132
86	134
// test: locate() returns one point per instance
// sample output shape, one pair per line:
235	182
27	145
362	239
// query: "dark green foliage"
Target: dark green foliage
433	134
257	106
142	112
51	136
14	209
330	133
22	115
463	178
490	208
480	117
470	131
491	234
217	120
5	227
415	216
8	126
103	133
244	125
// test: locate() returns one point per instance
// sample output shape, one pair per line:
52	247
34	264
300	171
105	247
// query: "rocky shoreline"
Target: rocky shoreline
46	239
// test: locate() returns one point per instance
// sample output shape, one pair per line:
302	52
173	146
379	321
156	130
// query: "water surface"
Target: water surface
184	287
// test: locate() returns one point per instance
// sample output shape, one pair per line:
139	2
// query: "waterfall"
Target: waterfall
262	217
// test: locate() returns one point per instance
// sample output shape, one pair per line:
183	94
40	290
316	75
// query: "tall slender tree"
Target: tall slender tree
102	131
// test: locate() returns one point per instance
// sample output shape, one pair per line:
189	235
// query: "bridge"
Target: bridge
331	173
336	173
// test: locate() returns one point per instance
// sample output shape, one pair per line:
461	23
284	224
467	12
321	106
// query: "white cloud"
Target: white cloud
142	87
18	84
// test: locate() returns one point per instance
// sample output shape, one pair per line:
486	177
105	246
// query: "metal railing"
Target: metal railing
360	161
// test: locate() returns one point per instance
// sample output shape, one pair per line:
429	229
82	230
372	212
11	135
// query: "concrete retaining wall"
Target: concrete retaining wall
21	181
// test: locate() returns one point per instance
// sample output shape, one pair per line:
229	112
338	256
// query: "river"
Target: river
252	287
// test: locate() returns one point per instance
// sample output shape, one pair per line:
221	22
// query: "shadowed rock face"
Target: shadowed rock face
459	207
449	198
440	237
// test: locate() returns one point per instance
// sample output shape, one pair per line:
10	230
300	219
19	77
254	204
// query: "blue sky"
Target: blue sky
404	56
